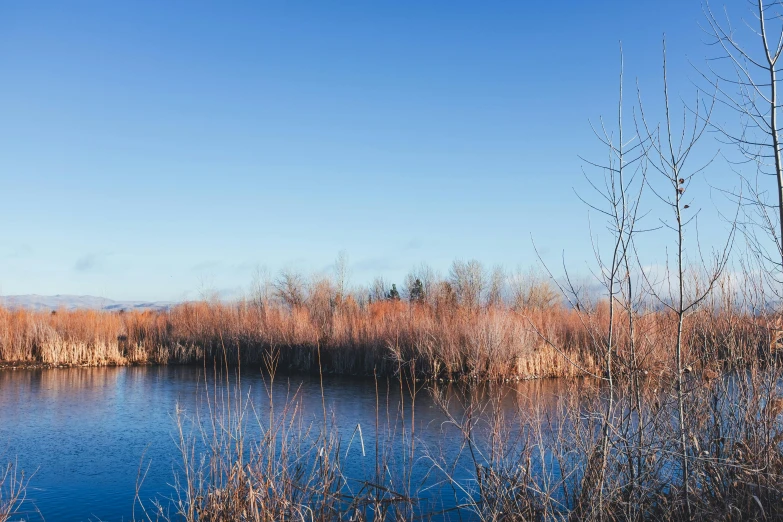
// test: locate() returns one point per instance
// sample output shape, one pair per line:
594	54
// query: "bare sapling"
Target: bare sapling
13	491
618	188
668	155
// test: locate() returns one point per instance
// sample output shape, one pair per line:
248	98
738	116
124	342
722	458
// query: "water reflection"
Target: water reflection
85	431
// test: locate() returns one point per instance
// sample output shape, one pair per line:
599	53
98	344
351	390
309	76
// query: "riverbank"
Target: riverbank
440	342
32	365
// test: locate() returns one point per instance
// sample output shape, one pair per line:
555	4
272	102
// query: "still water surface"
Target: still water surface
85	432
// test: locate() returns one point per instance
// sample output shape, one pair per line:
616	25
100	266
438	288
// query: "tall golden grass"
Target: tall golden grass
447	342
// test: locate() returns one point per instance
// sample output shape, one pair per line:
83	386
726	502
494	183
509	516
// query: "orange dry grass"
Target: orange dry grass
446	341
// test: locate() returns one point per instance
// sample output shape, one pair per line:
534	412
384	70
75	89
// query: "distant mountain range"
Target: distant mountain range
77	302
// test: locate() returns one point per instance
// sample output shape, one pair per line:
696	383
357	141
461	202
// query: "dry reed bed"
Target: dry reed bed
344	338
523	459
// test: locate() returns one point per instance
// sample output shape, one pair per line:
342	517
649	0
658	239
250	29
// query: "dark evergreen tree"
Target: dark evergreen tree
417	292
393	294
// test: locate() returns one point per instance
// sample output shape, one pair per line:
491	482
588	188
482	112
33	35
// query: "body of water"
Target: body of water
84	435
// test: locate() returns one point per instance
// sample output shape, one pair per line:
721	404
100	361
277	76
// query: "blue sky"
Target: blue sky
151	149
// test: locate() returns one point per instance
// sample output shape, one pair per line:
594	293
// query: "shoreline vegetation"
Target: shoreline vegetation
447	330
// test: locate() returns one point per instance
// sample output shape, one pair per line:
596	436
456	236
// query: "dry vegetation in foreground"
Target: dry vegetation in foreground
13	488
519	459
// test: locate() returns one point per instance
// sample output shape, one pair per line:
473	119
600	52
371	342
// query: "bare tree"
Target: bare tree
669	152
620	212
290	288
341	274
618	191
531	289
443	297
745	79
468	279
378	289
321	301
261	287
497	286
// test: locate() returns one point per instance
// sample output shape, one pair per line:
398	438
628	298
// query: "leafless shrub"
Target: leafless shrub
468	280
290	288
532	289
378	289
13	489
496	287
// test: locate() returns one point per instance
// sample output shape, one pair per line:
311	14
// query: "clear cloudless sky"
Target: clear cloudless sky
152	149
